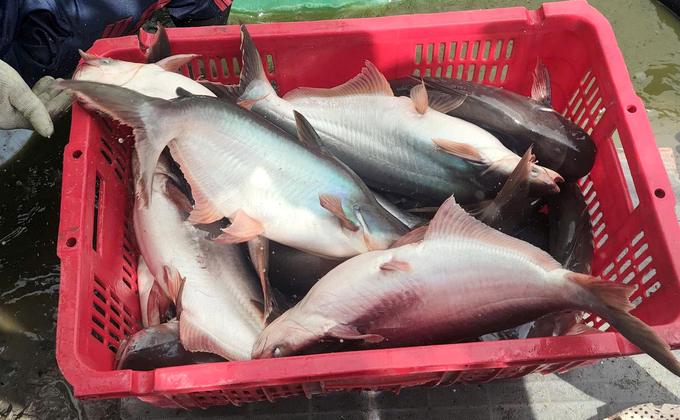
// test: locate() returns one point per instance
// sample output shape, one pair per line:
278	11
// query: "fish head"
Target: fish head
283	337
542	180
105	70
378	228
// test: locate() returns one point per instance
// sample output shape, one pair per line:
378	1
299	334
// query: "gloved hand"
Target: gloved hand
21	107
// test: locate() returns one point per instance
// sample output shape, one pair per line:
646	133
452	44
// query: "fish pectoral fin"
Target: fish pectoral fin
540	89
248	103
159	47
369	81
461	150
396	265
204	212
419	97
346	332
174	62
258	249
444	102
515	188
178	197
414	236
242	229
173	281
333	204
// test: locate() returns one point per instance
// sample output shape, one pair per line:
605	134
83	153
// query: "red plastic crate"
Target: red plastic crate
98	305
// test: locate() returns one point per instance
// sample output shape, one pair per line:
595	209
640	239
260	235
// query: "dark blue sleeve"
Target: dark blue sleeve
9	15
42	37
40	46
197	10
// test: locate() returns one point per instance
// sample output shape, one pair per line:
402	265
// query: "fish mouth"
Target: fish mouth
554	178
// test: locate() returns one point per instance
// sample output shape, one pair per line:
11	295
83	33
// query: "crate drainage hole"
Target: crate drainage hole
76	154
631	108
71	242
659	193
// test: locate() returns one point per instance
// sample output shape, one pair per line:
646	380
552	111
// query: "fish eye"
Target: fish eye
534	174
276	352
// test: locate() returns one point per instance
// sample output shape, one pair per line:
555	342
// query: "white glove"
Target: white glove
21	107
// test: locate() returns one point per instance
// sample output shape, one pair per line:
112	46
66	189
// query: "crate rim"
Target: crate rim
92	384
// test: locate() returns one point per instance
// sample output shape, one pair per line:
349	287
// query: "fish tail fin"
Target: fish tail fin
252	63
611	302
252	70
136	110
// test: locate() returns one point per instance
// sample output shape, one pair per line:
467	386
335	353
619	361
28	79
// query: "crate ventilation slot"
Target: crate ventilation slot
483	61
111	319
585	108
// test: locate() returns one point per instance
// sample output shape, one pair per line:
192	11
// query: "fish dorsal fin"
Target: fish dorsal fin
419	97
452	222
414	236
369	82
159	47
515	188
540	90
174	62
183	93
308	136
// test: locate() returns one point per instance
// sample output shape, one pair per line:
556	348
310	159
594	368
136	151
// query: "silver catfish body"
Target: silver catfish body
463	279
241	167
399	145
212	284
